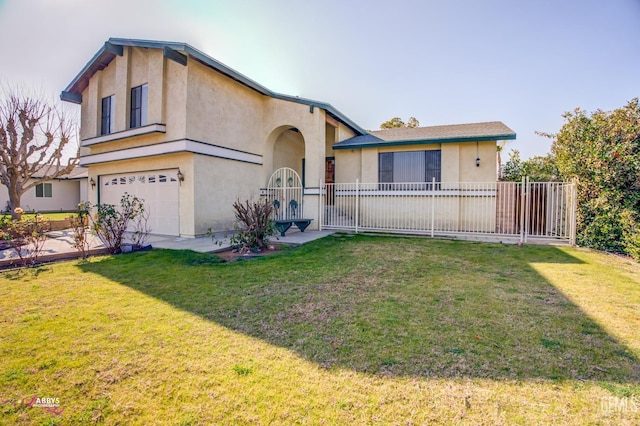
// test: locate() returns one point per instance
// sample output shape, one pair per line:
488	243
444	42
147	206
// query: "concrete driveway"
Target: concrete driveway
59	245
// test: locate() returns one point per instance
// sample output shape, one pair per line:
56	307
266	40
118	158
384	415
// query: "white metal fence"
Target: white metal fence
516	209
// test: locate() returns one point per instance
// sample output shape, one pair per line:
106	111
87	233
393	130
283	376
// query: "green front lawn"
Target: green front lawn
345	330
45	216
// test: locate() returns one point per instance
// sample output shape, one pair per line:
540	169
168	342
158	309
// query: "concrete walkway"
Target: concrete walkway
221	243
59	245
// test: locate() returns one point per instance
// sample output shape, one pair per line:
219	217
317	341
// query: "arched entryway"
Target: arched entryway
286	146
289	147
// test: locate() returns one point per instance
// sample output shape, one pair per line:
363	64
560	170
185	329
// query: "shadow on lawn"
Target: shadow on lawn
394	306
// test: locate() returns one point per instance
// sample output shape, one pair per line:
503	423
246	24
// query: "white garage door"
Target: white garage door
158	189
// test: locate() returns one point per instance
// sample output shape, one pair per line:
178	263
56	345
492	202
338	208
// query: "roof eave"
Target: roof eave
508	136
334	112
73	93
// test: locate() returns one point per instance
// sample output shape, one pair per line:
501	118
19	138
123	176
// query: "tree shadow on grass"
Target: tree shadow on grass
394	306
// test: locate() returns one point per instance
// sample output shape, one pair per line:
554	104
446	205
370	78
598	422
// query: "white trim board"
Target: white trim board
138	131
171	148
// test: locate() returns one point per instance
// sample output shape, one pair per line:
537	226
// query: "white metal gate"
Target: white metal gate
512	209
284	193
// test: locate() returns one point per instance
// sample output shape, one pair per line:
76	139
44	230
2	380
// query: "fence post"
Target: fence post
357	204
522	210
433	204
574	208
321	204
527	213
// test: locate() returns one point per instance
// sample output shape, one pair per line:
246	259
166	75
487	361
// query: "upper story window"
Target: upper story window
44	190
409	166
138	116
108	115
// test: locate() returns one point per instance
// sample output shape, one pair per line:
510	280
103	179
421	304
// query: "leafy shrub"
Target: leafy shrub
601	151
79	223
631	233
110	223
537	168
4	224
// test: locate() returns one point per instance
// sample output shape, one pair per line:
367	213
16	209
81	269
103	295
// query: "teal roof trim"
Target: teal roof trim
99	61
71	97
73	92
368	143
331	110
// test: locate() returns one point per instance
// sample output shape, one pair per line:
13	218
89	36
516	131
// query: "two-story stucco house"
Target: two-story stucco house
190	135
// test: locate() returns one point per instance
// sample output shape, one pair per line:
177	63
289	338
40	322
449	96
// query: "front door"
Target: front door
330	178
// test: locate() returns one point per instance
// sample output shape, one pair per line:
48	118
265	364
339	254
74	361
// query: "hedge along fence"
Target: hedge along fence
59	225
47	214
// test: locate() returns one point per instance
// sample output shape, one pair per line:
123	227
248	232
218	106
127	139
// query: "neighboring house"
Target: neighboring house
63	193
190	135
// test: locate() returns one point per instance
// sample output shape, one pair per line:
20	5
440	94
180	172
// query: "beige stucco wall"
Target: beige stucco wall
222	112
139	65
349	165
450	166
288	151
84	190
331	133
89	109
487	152
66	195
343	133
218	184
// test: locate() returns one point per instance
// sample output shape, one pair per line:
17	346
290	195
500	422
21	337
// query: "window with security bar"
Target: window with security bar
409	167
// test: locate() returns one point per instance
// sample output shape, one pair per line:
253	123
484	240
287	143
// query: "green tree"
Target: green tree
601	151
396	122
413	122
538	168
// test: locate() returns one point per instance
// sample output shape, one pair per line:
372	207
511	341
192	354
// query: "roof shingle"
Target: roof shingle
471	132
78	172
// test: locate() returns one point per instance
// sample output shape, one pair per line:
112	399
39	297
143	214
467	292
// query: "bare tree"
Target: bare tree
33	138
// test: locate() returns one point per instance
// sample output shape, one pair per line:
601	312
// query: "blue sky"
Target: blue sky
444	62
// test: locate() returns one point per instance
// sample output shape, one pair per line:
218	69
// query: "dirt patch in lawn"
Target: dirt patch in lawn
230	255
